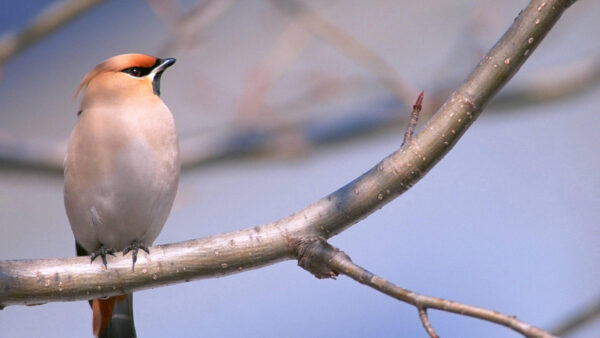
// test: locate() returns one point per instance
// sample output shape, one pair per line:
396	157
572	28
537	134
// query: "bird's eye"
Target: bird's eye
134	71
137	71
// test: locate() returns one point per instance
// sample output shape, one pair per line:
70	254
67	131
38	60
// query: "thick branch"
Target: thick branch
36	281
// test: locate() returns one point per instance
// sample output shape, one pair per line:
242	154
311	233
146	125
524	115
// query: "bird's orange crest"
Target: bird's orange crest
117	64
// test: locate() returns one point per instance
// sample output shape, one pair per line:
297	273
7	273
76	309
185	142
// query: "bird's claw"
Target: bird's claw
102	252
134	247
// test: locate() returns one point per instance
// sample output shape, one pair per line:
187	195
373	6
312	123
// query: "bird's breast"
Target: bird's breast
123	165
114	141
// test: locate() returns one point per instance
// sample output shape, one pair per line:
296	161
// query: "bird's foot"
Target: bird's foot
102	252
134	247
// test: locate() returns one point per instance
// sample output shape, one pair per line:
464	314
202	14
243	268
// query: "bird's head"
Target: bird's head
124	76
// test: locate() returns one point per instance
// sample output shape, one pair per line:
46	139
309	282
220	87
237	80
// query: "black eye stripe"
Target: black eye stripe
137	71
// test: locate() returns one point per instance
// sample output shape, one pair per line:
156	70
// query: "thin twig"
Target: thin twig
425	321
579	318
414	119
343	265
53	17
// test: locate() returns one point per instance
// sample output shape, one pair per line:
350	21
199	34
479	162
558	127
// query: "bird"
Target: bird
121	171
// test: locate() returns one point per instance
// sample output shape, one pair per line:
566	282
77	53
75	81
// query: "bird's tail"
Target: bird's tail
113	317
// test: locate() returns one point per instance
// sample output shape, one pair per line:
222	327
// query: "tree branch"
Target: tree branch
336	36
414	118
318	254
544	86
185	29
45	23
426	324
67	279
202	148
379	114
578	318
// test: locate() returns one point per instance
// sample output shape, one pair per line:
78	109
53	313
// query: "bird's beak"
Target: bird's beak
164	64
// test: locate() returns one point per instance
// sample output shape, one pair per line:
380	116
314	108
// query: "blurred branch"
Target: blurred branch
577	319
286	50
43	156
207	147
324	261
383	113
53	17
68	279
376	115
185	28
329	32
254	113
168	11
544	86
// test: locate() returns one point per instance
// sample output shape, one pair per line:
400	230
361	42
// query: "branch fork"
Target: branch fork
323	260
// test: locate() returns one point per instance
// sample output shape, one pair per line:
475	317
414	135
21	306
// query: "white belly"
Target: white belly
119	192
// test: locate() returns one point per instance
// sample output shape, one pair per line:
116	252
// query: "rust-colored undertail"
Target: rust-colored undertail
103	312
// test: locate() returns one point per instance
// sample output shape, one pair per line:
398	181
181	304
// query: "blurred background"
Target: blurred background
279	103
